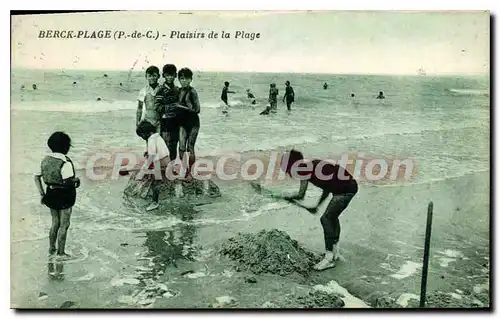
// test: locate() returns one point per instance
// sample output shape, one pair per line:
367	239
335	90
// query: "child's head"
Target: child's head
293	157
248	90
272	85
185	77
226	83
145	130
169	73
287	83
59	142
152	74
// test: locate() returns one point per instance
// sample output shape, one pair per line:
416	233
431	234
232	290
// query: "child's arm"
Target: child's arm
139	112
39	186
159	100
194	101
140	103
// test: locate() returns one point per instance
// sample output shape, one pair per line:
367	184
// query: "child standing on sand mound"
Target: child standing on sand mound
147	98
191	126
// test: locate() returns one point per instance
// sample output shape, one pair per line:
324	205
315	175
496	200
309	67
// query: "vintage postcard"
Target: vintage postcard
250	159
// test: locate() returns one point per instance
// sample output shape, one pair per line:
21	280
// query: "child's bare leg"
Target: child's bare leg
53	230
156	195
183	135
63	231
331	228
191	141
155	190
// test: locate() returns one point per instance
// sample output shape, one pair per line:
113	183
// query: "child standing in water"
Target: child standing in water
58	174
157	151
289	95
146	99
191	126
223	96
273	97
380	95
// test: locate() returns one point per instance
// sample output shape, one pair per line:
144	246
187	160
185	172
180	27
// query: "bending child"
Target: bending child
335	180
157	152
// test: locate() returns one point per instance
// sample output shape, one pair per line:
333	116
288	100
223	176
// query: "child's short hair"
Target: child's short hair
59	142
145	128
185	73
226	83
152	70
170	69
293	157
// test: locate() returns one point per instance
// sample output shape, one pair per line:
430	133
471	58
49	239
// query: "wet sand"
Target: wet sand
124	258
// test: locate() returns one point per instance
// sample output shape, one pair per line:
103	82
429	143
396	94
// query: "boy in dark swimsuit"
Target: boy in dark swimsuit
225	91
191	126
166	102
335	180
273	97
289	95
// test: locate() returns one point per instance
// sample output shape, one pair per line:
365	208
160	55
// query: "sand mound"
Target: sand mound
171	188
436	299
269	252
317	299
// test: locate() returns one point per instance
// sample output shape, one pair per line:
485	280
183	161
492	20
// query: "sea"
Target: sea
441	123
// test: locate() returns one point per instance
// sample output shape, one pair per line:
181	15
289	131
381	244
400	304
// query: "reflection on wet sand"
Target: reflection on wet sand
164	249
168	246
55	270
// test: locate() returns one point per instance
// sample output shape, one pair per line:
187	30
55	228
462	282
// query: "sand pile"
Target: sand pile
269	251
317	299
436	299
171	189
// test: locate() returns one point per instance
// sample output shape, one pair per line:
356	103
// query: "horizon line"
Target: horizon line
264	72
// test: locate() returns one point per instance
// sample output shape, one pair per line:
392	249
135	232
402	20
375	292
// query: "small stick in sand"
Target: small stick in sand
423	285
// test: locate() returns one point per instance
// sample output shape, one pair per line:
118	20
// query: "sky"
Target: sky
338	42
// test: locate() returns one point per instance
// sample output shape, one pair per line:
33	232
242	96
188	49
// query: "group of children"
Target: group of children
272	106
167	118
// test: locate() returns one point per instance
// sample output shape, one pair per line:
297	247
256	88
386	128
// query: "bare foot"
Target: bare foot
52	250
188	177
63	256
324	264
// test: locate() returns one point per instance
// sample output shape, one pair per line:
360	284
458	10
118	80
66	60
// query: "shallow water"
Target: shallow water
118	247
